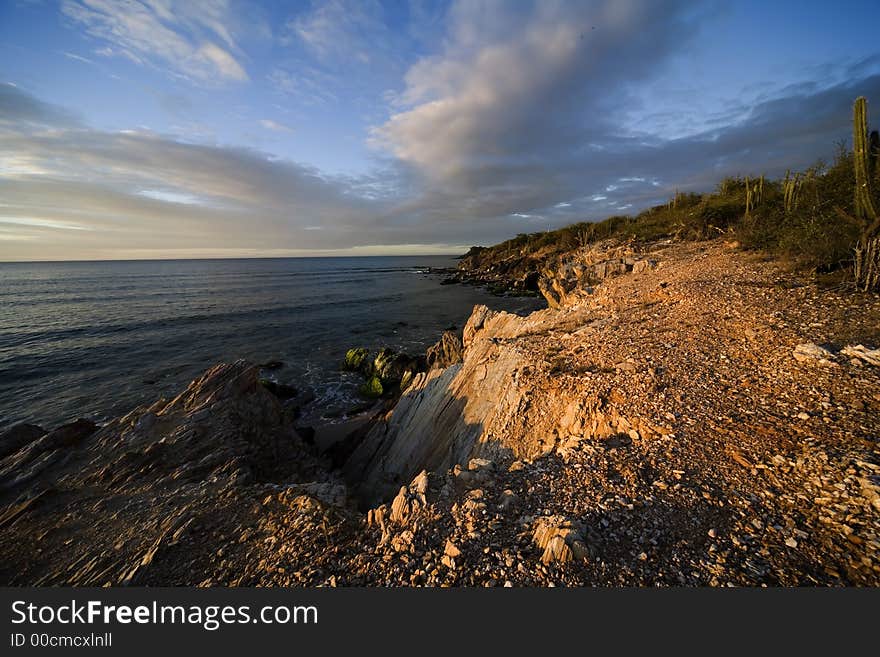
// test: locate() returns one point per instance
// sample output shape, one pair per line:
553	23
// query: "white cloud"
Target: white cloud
191	38
269	124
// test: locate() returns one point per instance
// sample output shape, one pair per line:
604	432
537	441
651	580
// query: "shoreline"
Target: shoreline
88	371
675	423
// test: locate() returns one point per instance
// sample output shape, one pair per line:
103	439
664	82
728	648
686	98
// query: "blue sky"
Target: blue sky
163	128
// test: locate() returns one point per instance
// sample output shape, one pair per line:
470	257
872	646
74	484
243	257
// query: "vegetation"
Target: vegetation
812	217
866	152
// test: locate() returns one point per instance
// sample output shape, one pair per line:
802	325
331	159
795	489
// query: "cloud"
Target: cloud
512	124
140	190
79	58
192	38
20	108
269	124
345	49
340	29
522	112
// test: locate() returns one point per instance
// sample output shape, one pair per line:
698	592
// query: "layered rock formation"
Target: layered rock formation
101	504
567	278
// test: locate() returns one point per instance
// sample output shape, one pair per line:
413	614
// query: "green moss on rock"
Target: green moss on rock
354	358
373	387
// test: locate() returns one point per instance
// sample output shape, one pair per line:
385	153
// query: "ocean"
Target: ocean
96	339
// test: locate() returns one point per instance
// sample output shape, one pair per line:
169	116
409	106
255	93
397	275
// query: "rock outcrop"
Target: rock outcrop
129	491
574	275
447	351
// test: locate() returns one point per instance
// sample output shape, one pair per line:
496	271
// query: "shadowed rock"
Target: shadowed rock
16	437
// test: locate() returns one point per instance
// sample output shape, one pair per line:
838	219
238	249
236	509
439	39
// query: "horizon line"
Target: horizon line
298	257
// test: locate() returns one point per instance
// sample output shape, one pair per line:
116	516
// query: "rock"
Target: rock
392	367
272	365
410	499
809	352
376	517
373	387
862	353
281	390
447	351
803	416
508	500
450	550
17	436
529	281
560	541
475	465
355	359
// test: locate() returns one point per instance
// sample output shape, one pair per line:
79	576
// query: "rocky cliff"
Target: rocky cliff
683	415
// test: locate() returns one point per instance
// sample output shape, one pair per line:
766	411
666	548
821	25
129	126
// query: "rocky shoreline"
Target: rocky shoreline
681	414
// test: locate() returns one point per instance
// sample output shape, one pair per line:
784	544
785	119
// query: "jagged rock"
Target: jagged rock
570	278
809	352
16	437
187	458
447	351
478	465
862	353
559	539
410	499
450	550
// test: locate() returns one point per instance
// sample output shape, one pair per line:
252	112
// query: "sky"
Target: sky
216	128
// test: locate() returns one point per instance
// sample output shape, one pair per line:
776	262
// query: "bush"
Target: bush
818	232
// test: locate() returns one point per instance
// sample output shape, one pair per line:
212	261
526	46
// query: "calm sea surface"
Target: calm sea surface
95	339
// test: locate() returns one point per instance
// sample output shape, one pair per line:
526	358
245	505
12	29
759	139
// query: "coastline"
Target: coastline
660	424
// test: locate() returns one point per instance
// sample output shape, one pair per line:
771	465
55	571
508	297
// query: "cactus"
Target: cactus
754	194
748	197
866	261
791	187
863	203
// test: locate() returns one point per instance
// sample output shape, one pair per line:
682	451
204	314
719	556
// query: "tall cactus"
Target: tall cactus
863	202
866	261
748	197
790	188
754	194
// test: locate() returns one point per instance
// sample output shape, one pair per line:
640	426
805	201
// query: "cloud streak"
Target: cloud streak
192	38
